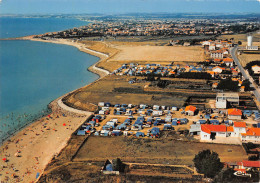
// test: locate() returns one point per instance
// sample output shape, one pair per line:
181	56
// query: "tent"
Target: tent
138	134
81	132
155	131
109	167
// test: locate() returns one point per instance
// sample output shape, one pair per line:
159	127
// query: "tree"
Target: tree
118	165
225	176
208	163
228	84
246	83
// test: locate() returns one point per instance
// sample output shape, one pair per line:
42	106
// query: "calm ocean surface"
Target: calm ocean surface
32	74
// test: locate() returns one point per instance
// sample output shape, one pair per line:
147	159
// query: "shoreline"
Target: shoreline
35	144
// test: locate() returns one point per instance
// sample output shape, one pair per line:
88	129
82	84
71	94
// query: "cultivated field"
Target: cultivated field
158	151
247	58
158	54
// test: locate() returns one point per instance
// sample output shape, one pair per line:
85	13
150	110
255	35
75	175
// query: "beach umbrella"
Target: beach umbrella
4	159
64	124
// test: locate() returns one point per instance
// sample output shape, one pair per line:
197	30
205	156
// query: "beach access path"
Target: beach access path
29	151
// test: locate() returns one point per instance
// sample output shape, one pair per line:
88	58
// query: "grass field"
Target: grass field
158	151
158	54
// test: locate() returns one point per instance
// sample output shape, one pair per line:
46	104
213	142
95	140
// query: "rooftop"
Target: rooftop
240	124
229	95
213	128
235	112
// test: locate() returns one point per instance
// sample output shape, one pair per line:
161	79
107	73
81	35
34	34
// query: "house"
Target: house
217	69
228	61
246	165
239	127
214	85
225	52
234	113
190	110
256	69
242	89
195	129
251	135
186	44
217	60
230	131
223	99
101	104
212	47
210	132
217	54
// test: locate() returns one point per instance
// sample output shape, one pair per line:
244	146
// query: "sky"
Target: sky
128	6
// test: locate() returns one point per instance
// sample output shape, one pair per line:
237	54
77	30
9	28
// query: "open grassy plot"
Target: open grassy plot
158	151
159	53
243	38
247	58
116	89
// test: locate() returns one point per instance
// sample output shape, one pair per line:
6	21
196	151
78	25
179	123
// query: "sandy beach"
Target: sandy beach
29	151
25	155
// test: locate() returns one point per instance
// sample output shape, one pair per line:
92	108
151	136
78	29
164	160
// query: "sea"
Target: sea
32	74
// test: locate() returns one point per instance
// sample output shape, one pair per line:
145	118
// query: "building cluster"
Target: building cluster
148	28
216	70
143	120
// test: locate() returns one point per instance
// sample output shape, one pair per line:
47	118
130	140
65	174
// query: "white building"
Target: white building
256	69
217	69
223	98
251	135
239	127
212	47
210	132
216	54
234	114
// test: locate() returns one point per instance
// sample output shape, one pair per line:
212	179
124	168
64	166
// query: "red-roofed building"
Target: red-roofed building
228	61
256	69
230	131
251	135
248	165
210	132
234	113
240	124
239	127
217	54
190	110
217	69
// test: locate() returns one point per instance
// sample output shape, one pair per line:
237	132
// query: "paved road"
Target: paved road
245	74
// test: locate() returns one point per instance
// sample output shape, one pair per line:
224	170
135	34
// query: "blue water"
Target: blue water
32	74
18	27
